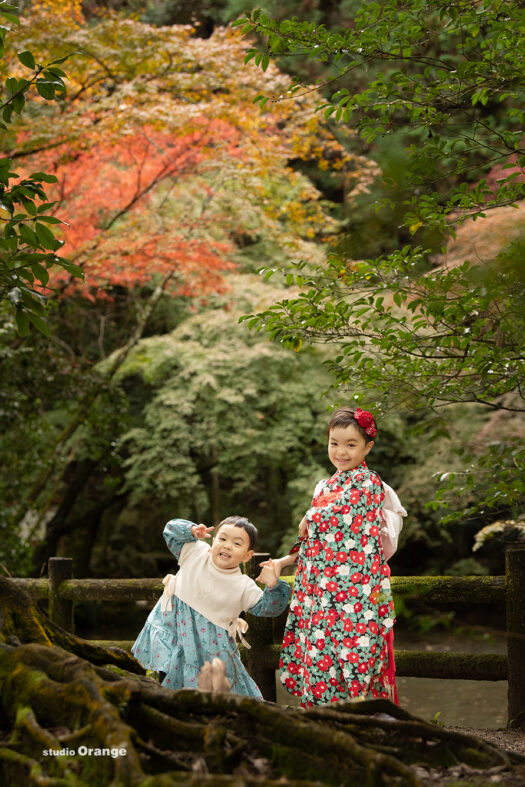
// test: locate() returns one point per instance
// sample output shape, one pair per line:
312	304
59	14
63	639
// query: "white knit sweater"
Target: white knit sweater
220	594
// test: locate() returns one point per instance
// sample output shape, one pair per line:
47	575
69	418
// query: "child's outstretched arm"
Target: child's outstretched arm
181	531
291	558
276	594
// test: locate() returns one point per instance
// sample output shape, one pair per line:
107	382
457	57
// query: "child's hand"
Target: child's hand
277	566
201	531
303	528
269	573
280	563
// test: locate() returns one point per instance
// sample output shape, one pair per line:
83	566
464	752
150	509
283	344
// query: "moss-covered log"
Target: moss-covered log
477	589
447	589
75	714
96	589
423	663
455	666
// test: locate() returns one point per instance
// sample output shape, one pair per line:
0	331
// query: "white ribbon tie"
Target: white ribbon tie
237	628
169	590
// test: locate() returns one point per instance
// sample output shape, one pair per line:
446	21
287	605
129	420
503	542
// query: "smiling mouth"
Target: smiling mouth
224	555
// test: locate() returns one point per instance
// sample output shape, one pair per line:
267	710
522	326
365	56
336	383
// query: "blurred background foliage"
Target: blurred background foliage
151	400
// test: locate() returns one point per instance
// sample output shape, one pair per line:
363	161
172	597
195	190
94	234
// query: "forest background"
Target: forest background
140	396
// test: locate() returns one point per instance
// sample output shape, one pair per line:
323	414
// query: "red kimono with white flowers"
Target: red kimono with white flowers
338	639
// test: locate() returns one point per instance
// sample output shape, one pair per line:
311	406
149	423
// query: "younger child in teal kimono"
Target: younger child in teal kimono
197	617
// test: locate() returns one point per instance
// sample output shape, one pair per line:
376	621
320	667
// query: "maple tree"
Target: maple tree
147	111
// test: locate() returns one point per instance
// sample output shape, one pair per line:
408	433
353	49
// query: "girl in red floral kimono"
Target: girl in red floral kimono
338	641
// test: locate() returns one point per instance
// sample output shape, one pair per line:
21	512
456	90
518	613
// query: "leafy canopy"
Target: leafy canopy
416	332
449	74
233	423
28	245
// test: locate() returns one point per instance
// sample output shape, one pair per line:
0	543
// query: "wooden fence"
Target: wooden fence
507	592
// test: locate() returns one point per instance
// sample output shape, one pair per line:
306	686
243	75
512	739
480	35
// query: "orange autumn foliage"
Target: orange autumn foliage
66	9
153	115
111	191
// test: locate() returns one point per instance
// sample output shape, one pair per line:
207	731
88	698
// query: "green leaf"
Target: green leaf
22	322
63	59
28	236
49	219
9	17
27	59
7	112
46	237
46	89
18	102
43	176
56	72
39	323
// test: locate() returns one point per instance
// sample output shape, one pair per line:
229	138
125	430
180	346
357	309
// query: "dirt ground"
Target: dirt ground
512	741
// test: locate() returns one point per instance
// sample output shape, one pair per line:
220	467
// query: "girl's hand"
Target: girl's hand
303	528
280	563
201	531
269	573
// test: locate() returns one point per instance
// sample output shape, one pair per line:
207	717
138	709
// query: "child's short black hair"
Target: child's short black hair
241	521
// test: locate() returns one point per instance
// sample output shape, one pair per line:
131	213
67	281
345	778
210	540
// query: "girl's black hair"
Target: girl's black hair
345	416
241	521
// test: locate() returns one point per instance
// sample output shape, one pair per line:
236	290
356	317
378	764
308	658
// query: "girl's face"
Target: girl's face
230	547
347	447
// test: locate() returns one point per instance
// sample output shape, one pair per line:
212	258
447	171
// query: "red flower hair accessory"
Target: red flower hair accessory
366	421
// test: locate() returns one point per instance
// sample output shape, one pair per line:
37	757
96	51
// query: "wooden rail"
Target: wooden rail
265	634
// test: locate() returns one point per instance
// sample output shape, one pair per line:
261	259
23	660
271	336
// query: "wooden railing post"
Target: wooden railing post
515	569
60	609
260	636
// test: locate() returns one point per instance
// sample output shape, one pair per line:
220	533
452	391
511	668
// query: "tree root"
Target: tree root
68	710
414	734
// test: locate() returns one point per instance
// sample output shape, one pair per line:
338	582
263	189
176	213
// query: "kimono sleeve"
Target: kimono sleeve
318	488
392	516
273	601
177	534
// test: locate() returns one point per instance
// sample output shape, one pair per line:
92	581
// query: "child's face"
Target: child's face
347	447
230	547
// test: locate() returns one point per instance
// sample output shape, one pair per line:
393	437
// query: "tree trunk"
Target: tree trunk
115	726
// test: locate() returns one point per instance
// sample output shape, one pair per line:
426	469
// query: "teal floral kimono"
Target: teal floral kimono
179	641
